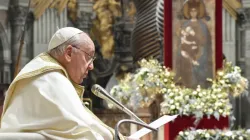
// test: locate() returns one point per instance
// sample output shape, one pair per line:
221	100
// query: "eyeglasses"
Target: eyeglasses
91	58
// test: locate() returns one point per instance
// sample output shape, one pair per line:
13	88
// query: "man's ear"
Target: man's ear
68	53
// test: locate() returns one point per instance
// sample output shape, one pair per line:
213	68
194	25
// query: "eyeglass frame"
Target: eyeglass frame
92	58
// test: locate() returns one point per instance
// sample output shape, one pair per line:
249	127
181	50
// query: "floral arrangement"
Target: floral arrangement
212	134
151	78
140	88
211	101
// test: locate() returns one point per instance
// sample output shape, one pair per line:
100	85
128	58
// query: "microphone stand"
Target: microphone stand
129	121
96	89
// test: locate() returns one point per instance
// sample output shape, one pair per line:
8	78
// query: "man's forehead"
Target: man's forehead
88	48
86	42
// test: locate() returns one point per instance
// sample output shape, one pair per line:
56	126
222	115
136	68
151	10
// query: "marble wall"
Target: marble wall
239	54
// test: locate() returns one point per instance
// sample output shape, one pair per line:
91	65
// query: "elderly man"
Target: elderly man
44	96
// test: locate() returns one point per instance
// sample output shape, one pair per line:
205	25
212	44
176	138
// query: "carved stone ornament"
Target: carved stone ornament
17	14
244	17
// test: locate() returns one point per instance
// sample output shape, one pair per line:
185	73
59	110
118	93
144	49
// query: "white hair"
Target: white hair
74	41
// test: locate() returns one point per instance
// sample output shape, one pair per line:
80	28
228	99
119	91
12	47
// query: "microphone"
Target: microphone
102	93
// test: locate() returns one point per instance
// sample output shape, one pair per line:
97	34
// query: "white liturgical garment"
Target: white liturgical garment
42	99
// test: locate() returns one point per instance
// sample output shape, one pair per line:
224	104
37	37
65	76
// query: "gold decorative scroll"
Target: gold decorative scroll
231	6
106	12
41	5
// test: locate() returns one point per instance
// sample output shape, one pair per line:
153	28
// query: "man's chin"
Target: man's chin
80	81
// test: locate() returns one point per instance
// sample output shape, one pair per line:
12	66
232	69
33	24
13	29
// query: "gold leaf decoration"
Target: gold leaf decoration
106	11
231	6
41	5
72	10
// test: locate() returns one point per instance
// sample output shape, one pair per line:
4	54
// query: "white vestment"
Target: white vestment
42	99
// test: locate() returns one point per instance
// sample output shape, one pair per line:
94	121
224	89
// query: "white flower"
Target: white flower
177	104
220	104
219	95
186	97
181	133
202	104
207	135
225	113
186	133
172	107
199	89
171	94
167	73
194	92
213	96
176	98
200	94
190	137
165	96
228	133
199	131
218	90
210	111
164	90
171	101
198	107
208	97
240	138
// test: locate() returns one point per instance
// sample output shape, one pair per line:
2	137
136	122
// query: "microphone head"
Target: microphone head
97	90
102	93
94	87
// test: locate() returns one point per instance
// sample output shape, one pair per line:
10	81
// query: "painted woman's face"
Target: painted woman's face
193	13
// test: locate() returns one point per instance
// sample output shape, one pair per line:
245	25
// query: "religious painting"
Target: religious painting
193	41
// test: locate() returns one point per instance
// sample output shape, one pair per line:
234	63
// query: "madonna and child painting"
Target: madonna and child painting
193	42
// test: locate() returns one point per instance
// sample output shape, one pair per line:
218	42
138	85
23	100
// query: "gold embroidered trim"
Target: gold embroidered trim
79	90
24	76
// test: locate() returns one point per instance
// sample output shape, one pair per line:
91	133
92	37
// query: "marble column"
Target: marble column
243	60
85	5
229	37
17	19
246	3
85	13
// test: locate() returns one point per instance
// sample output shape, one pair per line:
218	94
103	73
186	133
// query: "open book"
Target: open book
156	124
